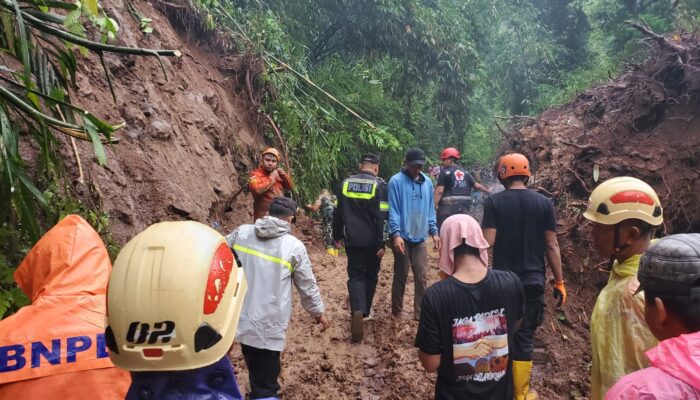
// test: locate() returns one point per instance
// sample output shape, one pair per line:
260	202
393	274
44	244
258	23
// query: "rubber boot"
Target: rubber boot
521	380
356	327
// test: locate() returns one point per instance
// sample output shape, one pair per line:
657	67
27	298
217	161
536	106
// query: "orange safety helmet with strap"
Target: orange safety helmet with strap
450	152
55	347
514	164
272	151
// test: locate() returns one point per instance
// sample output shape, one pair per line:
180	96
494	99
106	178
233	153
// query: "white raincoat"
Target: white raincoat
272	258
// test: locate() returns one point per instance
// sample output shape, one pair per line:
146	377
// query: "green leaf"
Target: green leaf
94	136
91	6
596	172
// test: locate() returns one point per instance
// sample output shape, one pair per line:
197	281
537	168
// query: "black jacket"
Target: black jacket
361	212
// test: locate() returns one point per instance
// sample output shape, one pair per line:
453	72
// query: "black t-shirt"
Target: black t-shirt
456	181
471	326
520	218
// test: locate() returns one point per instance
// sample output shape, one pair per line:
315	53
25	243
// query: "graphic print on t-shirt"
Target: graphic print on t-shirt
480	346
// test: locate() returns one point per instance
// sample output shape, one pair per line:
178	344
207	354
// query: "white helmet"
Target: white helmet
174	298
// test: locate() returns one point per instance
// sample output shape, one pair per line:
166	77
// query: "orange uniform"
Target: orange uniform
55	348
260	180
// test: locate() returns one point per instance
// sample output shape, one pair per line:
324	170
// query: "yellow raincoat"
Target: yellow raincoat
619	334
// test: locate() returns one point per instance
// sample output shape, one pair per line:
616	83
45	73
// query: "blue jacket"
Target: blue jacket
411	208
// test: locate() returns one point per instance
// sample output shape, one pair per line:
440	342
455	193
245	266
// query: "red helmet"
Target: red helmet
450	152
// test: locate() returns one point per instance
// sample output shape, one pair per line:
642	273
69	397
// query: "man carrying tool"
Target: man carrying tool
272	259
454	187
359	222
520	225
267	182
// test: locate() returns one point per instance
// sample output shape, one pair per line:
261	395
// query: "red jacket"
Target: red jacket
55	347
259	186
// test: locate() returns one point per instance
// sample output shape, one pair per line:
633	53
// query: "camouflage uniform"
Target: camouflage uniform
328	203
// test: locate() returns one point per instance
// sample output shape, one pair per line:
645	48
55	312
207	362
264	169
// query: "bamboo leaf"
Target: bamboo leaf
91	6
94	136
24	45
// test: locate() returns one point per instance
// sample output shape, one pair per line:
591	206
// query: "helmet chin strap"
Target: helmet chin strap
617	247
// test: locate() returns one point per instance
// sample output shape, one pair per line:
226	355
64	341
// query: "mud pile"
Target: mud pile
645	124
188	143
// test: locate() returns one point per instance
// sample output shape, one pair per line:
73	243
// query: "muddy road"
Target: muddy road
385	365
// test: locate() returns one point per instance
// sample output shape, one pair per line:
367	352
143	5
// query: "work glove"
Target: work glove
559	293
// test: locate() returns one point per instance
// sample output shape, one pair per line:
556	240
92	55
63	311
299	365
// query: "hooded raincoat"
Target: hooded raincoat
674	373
272	259
619	333
55	348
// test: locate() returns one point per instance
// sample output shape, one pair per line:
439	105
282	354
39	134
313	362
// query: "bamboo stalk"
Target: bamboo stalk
89	44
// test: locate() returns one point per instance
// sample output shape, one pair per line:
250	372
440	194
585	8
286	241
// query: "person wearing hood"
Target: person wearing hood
55	348
411	220
469	319
624	212
272	259
669	275
267	182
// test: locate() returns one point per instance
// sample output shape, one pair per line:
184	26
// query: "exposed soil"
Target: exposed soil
187	146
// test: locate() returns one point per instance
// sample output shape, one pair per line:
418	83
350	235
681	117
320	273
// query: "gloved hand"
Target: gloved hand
559	293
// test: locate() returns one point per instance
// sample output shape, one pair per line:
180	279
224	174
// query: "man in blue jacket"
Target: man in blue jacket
411	219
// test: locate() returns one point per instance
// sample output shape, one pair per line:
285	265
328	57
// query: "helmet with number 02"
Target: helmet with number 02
174	298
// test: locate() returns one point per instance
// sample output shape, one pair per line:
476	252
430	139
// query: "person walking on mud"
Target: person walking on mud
267	182
520	225
326	203
272	259
359	223
411	220
454	187
468	320
624	211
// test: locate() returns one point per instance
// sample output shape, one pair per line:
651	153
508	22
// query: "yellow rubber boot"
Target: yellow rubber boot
521	380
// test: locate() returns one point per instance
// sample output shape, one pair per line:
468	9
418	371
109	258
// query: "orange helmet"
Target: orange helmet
450	152
514	164
272	151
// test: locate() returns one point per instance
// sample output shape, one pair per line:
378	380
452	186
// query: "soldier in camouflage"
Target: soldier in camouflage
325	204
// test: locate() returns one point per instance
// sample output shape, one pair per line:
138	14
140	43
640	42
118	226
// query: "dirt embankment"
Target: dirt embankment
645	124
187	145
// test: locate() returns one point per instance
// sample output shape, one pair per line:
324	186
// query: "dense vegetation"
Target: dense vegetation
42	43
430	73
339	77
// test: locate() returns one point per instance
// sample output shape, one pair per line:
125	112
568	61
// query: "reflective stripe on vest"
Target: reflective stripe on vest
383	206
264	256
359	189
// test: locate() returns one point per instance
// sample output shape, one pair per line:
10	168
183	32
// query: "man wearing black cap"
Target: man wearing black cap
669	275
272	259
411	220
359	222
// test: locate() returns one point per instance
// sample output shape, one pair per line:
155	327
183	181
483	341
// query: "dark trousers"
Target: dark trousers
416	258
263	370
448	209
534	315
363	272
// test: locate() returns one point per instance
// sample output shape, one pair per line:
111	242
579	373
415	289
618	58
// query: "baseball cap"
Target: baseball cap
415	157
283	206
671	266
370	158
